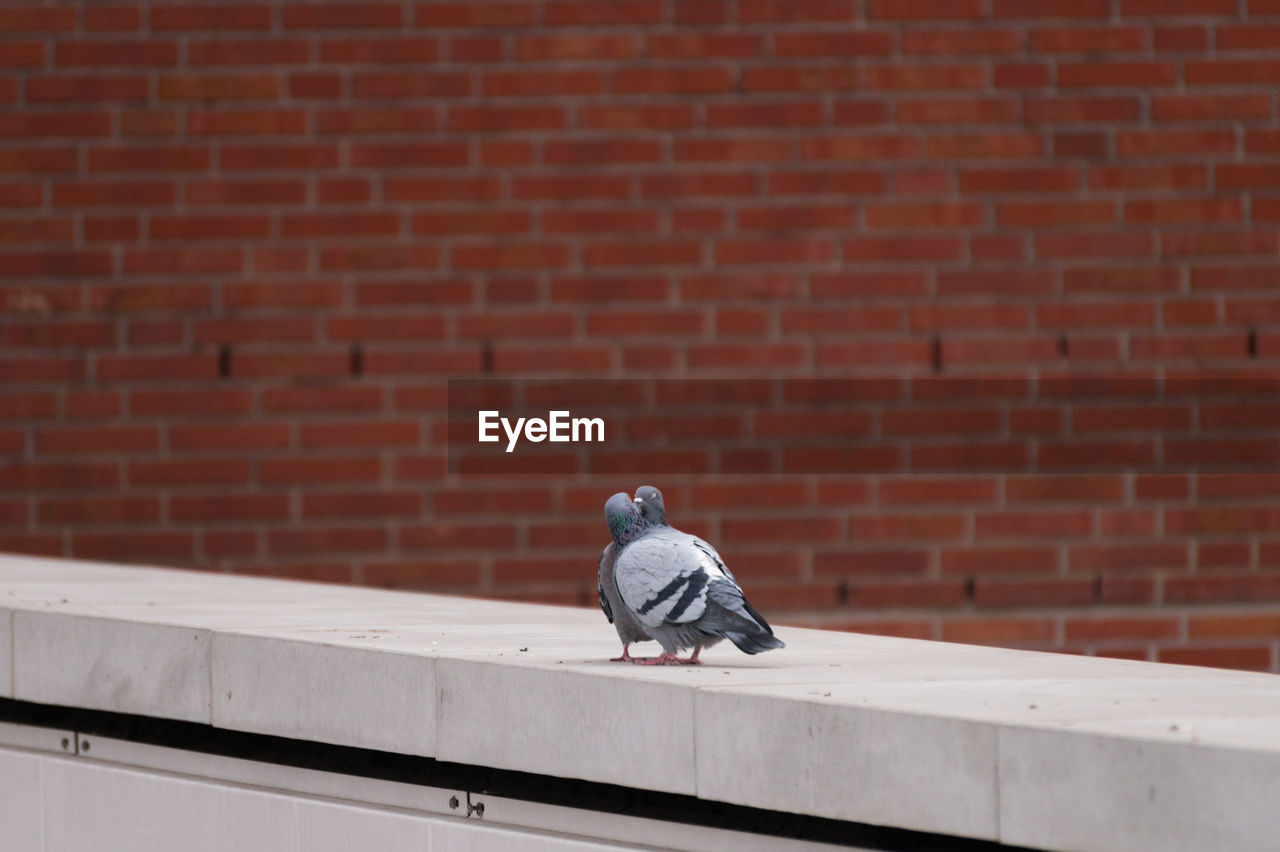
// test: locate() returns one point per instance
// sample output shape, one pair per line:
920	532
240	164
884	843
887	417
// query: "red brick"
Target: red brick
911	248
998	630
1250	657
556	187
1113	280
273	51
579	45
660	116
310	470
118	509
1106	629
931	215
1093	315
672	81
1045	179
97	439
1102	40
246	122
847	285
66	89
1181	38
211	17
1234	626
1219	108
1073	110
510	255
1116	74
240	227
1038	524
151	52
1193	8
229	507
1064	488
1172	143
20	19
1229	242
896	563
36	124
1237	485
193	403
361	504
133	545
755	114
1042	213
916	77
1179	176
1184	210
326	540
340	15
881	528
943	316
1020	75
601	152
799	78
955	42
1128	557
971	455
974	421
190	473
794	11
1032	593
834	43
1215	72
229	436
1195	347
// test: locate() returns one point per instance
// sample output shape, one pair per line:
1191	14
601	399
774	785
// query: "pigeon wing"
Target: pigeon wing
662	578
605	575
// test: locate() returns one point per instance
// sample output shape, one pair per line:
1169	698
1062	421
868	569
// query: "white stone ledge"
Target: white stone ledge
1034	749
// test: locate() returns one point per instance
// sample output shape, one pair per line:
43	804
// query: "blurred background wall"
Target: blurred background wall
243	245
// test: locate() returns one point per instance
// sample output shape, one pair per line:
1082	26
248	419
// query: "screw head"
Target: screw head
66	744
453	802
84	745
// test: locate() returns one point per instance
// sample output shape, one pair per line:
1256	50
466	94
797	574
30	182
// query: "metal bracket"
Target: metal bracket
477	808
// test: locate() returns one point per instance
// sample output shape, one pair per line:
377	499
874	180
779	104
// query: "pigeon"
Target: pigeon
677	588
654	510
629	630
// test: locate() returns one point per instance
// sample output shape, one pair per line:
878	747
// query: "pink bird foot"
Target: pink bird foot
693	658
626	656
663	659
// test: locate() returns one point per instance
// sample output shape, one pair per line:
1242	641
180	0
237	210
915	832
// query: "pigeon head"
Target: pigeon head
623	518
652	509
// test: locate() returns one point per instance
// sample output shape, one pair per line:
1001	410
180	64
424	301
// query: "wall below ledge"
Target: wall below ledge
1012	747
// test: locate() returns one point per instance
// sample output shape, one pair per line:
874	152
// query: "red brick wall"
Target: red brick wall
242	247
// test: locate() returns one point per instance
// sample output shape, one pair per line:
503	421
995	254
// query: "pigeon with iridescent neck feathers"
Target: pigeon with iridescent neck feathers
676	587
629	630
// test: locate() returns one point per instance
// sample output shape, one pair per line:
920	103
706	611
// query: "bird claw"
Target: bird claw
660	660
625	658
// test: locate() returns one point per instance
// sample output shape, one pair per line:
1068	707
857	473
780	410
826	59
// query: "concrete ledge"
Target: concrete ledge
1024	748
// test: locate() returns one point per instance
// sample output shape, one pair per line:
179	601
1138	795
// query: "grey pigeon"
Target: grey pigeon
654	510
677	588
629	630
